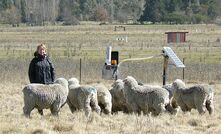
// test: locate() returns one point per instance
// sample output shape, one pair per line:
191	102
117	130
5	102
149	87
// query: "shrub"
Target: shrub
101	14
198	18
174	18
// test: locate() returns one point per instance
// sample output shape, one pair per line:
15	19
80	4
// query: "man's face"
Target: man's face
41	51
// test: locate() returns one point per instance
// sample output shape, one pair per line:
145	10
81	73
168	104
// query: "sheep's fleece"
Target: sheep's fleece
198	97
104	98
42	96
145	98
82	97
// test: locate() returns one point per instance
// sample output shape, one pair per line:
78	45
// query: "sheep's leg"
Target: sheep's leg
55	109
201	108
108	108
145	110
200	105
40	111
209	106
94	104
28	107
183	107
27	110
71	107
29	104
87	107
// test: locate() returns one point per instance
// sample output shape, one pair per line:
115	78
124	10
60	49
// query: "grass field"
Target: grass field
66	45
13	121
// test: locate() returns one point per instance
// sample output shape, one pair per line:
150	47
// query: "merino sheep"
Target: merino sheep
198	97
145	98
104	98
118	99
42	96
82	97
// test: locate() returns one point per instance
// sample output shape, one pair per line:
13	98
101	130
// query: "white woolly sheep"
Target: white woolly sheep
118	98
145	98
104	98
42	96
82	97
198	97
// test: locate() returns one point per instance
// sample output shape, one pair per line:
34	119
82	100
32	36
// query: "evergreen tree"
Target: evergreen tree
154	11
23	11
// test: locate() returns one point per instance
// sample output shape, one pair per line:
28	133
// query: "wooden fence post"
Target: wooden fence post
165	64
80	69
183	69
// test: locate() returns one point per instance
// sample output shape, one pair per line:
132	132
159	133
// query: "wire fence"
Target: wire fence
90	70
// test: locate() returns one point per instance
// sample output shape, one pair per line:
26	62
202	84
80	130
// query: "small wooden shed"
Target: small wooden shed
176	37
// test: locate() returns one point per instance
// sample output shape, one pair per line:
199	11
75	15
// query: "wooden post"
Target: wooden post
80	69
183	69
165	64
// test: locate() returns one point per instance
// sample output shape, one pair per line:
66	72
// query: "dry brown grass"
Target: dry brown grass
13	121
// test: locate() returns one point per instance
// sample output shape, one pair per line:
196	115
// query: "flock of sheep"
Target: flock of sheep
125	95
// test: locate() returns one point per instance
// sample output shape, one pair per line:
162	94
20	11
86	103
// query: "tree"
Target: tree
5	4
11	16
23	11
125	9
154	11
101	14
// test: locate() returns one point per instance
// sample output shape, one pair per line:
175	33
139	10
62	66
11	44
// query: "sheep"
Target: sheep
82	97
104	98
42	96
118	99
198	97
145	98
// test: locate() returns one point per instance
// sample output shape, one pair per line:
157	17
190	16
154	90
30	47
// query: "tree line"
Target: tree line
38	12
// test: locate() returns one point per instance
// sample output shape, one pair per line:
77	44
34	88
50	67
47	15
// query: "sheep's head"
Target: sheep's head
177	84
117	92
118	85
130	82
63	82
73	82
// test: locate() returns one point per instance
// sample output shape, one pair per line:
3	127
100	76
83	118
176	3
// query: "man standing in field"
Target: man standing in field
41	69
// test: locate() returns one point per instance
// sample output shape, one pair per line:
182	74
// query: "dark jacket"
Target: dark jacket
41	70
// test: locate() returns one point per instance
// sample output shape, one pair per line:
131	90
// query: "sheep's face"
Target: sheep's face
130	81
73	81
